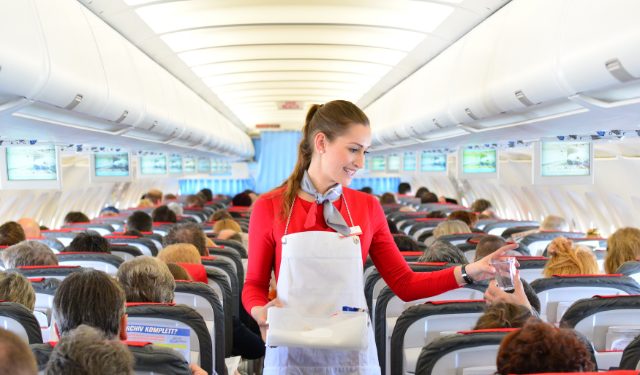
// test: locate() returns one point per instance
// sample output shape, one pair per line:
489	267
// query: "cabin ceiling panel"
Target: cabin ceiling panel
246	56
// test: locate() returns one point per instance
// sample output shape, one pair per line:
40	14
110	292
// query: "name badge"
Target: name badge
353	232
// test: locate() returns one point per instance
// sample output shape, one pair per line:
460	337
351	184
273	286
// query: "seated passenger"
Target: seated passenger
428	197
193	201
75	217
622	246
30	227
230	234
551	223
226	224
567	259
88	242
109	211
469	218
85	350
146	279
155	196
523	294
28	253
446	228
503	315
443	251
540	347
421	191
220	215
176	208
145	203
190	233
388	198
140	221
252	194
367	190
186	256
11	233
169	197
483	208
208	194
437	214
162	214
404	188
406	243
242	200
16	288
15	356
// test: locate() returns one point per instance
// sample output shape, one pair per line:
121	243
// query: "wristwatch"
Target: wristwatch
467	279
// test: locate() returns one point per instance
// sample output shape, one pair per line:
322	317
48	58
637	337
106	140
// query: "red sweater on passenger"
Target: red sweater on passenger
265	246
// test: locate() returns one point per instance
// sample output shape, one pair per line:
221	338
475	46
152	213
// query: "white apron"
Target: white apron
320	272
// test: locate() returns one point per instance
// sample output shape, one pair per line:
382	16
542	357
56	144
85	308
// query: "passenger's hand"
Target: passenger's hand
494	294
259	314
196	370
482	269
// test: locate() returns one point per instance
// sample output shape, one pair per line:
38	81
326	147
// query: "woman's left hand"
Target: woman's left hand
482	269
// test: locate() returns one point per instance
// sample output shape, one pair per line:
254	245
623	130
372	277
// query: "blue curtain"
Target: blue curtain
277	157
380	185
218	186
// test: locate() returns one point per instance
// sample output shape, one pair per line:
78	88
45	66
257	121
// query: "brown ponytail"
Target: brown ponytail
333	119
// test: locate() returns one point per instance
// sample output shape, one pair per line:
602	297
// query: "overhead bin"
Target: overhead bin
595	58
24	65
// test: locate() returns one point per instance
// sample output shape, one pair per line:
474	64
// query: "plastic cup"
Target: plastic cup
505	272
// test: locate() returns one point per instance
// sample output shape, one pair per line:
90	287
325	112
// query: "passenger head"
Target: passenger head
242	200
190	233
169	197
146	203
503	315
176	208
226	224
443	251
140	221
404	188
178	272
193	201
229	234
28	253
554	223
89	242
75	217
11	233
571	260
15	356
180	253
163	214
85	350
437	214
109	211
428	197
469	218
155	196
334	138
622	246
367	190
450	227
488	244
146	279
93	298
208	194
30	227
16	288
481	205
540	347
220	215
406	243
421	191
388	198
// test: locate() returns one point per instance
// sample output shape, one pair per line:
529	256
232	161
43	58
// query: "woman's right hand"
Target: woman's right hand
259	314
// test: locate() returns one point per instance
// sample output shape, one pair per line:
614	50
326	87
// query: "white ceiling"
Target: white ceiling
248	57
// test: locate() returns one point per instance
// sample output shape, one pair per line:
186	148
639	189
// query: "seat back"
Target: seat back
389	307
609	322
531	267
45	289
231	244
460	238
497	227
232	279
631	356
176	326
462	352
421	324
557	293
55	272
631	269
18	319
204	300
105	262
64	236
145	245
102	229
53	244
537	242
126	252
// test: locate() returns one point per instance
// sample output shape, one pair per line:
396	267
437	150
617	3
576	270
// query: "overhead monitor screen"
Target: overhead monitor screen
32	163
175	164
189	165
479	161
565	159
204	165
111	164
409	161
378	164
393	163
433	162
153	165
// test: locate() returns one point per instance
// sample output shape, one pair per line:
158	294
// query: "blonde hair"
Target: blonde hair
145	203
567	259
226	224
14	287
450	227
622	246
332	119
554	223
180	253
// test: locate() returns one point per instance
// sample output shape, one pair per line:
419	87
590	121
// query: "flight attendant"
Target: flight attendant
316	234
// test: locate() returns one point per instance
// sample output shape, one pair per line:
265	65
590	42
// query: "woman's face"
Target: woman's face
343	156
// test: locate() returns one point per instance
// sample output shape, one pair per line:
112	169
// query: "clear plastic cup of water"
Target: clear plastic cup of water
505	272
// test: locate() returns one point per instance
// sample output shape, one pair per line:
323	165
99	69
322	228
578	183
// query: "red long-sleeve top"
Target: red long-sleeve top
265	246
